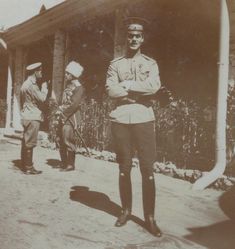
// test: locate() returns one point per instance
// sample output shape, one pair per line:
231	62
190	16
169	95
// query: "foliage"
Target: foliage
185	130
230	170
52	121
185	133
181	130
95	125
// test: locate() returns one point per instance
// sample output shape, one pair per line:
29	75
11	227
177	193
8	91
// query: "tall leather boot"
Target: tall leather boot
70	161
148	195
28	163
22	154
63	157
125	190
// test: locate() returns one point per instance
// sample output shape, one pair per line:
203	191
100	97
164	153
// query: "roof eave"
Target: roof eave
58	17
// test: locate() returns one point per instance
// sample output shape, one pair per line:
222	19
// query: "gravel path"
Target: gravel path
77	210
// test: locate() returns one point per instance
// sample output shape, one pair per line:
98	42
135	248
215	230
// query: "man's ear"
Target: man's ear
143	37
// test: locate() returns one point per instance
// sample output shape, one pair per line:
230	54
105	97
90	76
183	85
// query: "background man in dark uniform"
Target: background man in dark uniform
131	79
33	96
70	115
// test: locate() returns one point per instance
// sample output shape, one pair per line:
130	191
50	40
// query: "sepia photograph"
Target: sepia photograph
117	124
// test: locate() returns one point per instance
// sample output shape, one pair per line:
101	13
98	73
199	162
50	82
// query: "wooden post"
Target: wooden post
18	80
58	64
120	33
68	54
9	90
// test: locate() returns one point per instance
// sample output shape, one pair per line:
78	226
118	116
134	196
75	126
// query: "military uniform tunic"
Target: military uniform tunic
32	99
143	75
72	97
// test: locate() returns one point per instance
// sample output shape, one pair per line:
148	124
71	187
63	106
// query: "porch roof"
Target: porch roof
61	16
73	12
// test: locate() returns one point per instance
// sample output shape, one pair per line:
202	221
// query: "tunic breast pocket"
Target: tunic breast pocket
126	76
143	75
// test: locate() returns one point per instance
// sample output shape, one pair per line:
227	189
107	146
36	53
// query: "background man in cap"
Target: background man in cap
131	79
70	115
33	96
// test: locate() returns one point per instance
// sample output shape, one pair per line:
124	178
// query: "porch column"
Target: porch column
120	33
58	64
68	46
18	80
9	115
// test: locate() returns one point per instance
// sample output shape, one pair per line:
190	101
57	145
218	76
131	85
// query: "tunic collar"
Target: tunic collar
32	78
136	55
76	83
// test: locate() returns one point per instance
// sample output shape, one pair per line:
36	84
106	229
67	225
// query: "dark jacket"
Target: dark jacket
72	97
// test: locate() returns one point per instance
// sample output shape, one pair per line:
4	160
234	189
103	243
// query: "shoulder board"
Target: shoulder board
148	58
117	59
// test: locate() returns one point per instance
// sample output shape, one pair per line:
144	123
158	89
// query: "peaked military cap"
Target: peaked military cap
136	23
34	66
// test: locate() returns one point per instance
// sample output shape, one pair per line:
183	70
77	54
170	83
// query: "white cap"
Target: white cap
34	66
74	68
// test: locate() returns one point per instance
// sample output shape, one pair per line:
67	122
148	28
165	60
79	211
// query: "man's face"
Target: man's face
38	73
135	39
68	76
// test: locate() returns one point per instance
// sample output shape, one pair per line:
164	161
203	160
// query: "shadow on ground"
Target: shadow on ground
99	201
219	235
216	236
18	165
54	163
168	241
227	203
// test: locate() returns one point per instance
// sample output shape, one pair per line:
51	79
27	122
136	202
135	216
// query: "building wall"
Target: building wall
169	42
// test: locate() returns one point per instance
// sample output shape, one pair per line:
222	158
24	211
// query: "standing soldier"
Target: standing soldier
70	115
131	79
33	96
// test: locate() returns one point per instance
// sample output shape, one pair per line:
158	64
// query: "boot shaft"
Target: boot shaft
71	158
63	156
148	196
28	158
125	189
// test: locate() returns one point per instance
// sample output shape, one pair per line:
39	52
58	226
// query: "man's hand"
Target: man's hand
126	84
44	86
126	100
58	112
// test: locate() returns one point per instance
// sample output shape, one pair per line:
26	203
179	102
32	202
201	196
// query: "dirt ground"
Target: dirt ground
77	210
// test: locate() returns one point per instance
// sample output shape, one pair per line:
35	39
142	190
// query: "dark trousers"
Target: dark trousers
29	141
67	137
129	138
30	134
